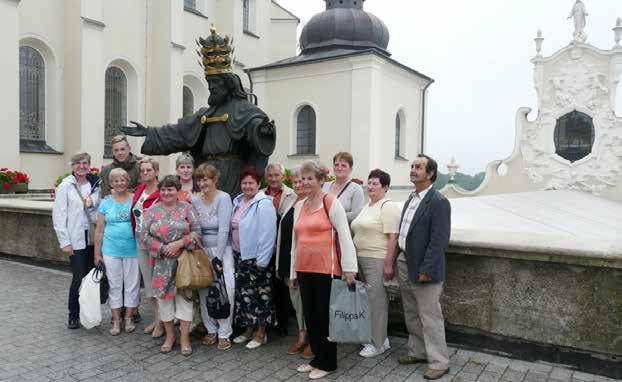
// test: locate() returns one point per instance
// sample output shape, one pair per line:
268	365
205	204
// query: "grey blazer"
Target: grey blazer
428	237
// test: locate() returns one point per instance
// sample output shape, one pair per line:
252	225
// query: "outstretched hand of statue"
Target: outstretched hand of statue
139	130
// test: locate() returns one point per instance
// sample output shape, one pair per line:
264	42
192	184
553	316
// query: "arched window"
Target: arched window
31	94
188	101
305	131
398	136
116	106
574	136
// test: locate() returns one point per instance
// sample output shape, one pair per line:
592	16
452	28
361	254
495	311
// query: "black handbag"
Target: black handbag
217	301
104	287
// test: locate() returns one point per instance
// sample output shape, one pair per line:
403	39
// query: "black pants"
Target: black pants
81	264
315	293
282	304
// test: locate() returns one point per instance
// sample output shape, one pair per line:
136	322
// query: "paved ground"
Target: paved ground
36	346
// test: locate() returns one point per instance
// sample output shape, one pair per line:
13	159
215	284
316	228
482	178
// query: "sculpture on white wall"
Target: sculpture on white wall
579	14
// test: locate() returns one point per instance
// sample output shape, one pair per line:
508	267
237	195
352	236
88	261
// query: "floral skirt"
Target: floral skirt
253	295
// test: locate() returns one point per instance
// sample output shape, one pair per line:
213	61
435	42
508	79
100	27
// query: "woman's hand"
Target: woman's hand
98	258
389	272
293	283
88	202
68	249
260	268
174	248
349	276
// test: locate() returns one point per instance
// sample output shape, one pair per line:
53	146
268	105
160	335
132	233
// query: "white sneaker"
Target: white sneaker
305	368
241	339
317	374
371	351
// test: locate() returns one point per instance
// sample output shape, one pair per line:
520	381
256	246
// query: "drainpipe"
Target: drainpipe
250	81
423	114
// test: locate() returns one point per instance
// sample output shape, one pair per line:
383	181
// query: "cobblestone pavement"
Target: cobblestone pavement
36	346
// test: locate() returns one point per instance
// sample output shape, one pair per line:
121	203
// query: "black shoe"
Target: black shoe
73	324
136	317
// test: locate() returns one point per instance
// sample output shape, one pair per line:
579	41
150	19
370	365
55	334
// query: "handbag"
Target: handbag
193	268
217	301
350	317
90	309
102	280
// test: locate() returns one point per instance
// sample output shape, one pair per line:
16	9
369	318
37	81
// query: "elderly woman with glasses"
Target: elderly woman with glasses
77	198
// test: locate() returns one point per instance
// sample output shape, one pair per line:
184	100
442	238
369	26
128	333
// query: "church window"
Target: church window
305	131
116	106
398	136
192	4
574	136
188	107
31	95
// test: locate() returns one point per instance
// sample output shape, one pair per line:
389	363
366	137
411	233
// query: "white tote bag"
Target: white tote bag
90	309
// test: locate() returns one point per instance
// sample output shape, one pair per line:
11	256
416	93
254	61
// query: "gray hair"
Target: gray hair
147	160
118	172
319	170
77	157
276	165
184	158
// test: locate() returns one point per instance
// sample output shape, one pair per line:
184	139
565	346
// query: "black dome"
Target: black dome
344	24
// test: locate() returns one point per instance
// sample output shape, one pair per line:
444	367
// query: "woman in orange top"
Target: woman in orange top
315	262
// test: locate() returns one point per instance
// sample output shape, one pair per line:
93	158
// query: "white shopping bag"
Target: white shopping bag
90	309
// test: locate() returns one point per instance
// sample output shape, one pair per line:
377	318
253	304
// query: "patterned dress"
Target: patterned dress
160	227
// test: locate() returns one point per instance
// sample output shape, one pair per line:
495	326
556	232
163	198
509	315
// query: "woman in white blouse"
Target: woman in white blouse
349	193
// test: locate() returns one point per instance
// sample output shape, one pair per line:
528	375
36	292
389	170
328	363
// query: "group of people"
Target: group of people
278	248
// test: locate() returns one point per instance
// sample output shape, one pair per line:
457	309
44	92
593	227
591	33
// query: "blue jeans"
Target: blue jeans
81	264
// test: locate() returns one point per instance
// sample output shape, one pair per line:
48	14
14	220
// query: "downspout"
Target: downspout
250	81
423	114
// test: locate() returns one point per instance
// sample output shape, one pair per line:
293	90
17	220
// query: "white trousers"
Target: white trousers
222	327
124	279
178	308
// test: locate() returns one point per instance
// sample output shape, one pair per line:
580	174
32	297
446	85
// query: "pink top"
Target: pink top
235	224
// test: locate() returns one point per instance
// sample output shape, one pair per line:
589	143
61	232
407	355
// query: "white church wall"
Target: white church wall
283	38
9	72
401	92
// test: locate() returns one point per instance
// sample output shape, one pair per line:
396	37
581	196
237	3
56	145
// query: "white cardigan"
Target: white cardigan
339	220
67	214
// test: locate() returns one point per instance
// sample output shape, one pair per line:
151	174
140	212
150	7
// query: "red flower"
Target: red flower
6	186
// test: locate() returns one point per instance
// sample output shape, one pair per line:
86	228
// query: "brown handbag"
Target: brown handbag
194	270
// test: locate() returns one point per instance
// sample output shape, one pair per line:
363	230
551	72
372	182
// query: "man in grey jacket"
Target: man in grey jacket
424	236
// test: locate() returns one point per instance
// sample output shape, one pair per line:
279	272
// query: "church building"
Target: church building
74	71
344	92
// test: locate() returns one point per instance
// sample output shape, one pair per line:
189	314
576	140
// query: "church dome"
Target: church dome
344	24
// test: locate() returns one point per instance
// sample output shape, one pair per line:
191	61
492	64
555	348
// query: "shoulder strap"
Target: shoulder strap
383	203
325	206
75	186
344	189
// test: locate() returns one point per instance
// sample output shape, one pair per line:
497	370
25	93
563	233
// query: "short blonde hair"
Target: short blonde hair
77	157
118	139
344	156
146	160
318	169
116	172
207	171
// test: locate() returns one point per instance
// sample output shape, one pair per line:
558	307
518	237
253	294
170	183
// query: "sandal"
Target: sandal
149	329
129	325
186	352
116	328
224	344
210	340
165	349
158	331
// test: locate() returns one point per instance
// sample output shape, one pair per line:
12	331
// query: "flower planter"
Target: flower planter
21	188
6	190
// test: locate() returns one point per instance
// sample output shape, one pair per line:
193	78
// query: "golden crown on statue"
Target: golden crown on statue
216	53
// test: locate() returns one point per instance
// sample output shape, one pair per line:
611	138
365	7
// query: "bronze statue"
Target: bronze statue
230	134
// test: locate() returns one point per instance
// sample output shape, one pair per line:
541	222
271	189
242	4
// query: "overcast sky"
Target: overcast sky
478	52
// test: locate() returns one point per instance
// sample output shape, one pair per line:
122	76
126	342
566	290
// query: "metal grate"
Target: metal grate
574	136
188	107
305	131
31	94
116	106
